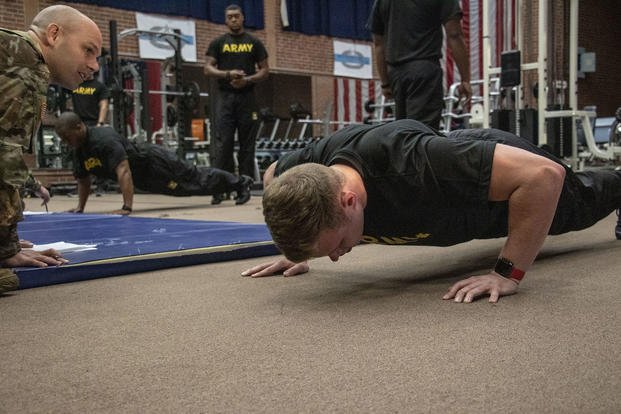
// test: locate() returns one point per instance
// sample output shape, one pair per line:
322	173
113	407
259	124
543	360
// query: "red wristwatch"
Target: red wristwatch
504	267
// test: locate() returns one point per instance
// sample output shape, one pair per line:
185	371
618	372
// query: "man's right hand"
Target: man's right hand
387	92
284	266
236	74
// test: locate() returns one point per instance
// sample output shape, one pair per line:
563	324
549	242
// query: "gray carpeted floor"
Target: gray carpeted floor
368	334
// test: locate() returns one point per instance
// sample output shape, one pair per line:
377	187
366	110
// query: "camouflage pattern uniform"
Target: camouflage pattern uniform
24	79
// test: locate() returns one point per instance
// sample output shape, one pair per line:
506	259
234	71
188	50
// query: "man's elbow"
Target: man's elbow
553	175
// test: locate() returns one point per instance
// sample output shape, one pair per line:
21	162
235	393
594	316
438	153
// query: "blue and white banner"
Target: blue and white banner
352	60
153	46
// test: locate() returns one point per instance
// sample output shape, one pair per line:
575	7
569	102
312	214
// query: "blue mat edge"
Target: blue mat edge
59	274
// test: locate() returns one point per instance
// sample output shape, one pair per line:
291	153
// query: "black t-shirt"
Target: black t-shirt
422	189
102	151
241	51
86	99
412	29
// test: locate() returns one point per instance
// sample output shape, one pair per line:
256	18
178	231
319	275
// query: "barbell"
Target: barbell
190	96
370	106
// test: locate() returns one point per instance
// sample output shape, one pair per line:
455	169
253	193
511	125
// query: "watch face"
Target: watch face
503	267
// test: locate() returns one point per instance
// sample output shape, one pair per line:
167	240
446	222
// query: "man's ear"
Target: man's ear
348	199
52	33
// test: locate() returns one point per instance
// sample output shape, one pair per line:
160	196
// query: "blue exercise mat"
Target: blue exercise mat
127	245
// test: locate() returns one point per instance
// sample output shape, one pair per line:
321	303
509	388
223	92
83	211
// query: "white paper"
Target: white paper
64	247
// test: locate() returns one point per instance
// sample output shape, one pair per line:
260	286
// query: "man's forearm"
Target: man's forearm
126	183
380	59
214	72
127	191
458	47
457	44
103	111
259	76
531	211
84	190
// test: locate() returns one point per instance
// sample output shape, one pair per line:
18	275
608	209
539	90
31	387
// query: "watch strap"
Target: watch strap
505	268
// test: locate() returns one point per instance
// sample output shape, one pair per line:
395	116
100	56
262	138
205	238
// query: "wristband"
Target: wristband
126	208
228	75
504	267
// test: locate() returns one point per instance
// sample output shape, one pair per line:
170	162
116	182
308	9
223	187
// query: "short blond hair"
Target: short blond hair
300	204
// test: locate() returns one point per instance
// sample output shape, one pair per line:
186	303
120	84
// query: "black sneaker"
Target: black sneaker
618	227
217	199
243	189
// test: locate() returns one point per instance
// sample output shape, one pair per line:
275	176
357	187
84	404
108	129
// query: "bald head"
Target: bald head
71	129
66	121
62	15
70	43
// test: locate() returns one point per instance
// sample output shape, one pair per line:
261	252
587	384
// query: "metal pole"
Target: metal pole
116	81
181	117
518	90
542	62
486	63
573	77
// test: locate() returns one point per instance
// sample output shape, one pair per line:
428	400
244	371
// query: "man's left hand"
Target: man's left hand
465	92
469	289
31	258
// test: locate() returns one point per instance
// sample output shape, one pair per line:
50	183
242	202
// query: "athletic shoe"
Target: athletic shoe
8	280
618	227
243	189
217	199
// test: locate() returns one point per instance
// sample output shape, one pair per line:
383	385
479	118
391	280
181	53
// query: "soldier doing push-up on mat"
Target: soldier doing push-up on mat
102	152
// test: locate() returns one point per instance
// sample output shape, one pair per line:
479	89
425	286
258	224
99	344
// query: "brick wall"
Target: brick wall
12	14
294	53
600	32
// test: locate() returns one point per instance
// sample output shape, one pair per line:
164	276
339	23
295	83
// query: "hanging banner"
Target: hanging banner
153	46
352	60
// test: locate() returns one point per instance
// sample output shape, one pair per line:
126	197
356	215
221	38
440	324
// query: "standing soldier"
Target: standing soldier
238	60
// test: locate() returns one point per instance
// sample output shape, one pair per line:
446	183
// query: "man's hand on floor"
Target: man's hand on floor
492	284
284	266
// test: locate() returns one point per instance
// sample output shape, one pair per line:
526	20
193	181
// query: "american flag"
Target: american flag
350	96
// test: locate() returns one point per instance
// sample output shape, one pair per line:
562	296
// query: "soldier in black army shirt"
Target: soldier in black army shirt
403	184
102	152
238	60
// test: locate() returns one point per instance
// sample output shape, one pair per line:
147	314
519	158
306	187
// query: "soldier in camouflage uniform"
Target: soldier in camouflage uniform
61	46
